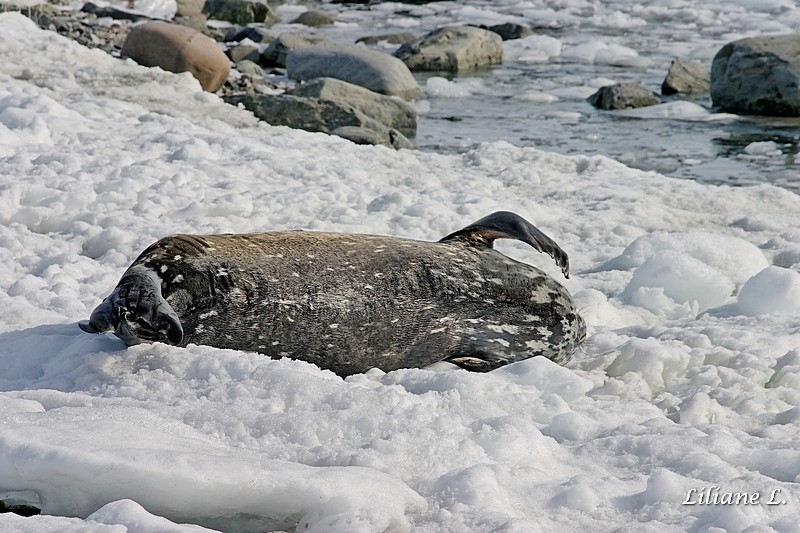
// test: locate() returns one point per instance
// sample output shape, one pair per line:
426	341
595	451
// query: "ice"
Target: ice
765	148
733	256
678	110
680	277
102	157
774	290
532	49
596	51
438	87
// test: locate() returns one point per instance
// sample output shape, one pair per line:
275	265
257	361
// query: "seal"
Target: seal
350	302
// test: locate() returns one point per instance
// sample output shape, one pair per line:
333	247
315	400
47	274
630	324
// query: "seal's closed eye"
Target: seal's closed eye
507	225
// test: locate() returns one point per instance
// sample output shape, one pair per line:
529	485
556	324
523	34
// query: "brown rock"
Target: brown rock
178	49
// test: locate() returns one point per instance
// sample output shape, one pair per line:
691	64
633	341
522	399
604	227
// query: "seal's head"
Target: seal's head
136	311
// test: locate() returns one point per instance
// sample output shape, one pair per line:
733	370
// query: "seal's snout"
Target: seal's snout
136	312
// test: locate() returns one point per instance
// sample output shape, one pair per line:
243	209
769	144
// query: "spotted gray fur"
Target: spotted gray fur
349	302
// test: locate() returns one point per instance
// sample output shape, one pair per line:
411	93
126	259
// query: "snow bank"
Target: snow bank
99	158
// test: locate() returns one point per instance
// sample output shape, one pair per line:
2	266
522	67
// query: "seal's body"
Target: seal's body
350	302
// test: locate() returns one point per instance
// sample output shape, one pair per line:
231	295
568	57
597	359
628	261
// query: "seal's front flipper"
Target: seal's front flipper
479	360
507	225
136	312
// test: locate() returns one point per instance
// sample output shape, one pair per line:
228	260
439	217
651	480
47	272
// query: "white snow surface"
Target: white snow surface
689	378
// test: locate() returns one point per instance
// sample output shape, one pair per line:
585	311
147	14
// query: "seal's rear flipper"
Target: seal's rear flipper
136	312
507	225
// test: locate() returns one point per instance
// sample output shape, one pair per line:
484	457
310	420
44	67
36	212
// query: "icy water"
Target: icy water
537	96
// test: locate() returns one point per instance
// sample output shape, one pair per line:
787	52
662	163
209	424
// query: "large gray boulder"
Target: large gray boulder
685	77
320	115
758	75
623	96
279	48
178	49
389	111
241	12
374	70
454	49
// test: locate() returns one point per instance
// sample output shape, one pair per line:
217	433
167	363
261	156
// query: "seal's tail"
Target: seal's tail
507	225
136	312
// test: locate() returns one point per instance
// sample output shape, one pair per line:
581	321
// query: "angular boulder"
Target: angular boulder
374	70
319	115
452	49
241	12
178	49
685	77
623	96
758	75
241	52
391	112
279	48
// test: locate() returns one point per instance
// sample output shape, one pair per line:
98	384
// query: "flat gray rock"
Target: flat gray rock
374	70
453	49
758	75
392	112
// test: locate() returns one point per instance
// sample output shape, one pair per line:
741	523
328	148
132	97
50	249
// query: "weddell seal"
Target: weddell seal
349	302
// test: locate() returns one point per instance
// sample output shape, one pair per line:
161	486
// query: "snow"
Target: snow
689	378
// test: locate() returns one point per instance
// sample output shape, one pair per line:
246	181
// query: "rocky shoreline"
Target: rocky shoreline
358	91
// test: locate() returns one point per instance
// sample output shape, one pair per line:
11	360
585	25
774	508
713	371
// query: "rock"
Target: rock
241	11
758	75
685	77
249	68
391	38
510	30
275	54
112	12
178	49
196	21
310	114
453	48
374	70
187	8
317	114
21	509
242	52
256	35
393	138
314	18
623	96
391	112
